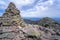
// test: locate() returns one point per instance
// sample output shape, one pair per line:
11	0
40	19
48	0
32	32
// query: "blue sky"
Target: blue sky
34	8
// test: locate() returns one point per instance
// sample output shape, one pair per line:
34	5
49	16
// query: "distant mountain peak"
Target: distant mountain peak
47	19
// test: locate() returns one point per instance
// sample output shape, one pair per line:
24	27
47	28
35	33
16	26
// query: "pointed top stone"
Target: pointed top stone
11	5
11	10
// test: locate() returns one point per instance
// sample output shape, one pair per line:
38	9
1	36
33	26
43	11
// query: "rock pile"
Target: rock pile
11	16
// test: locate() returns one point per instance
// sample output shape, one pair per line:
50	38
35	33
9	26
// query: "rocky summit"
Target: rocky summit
13	27
49	23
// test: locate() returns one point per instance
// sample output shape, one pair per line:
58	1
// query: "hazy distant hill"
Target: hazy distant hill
45	22
48	22
36	20
30	21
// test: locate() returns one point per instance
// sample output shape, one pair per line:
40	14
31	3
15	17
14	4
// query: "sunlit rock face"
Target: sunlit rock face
11	16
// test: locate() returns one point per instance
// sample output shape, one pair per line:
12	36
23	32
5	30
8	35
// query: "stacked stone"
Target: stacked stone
13	14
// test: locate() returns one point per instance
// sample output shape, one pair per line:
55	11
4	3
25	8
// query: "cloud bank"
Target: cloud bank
34	8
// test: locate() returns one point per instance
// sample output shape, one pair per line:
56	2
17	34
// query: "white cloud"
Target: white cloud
39	10
45	5
2	2
21	3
